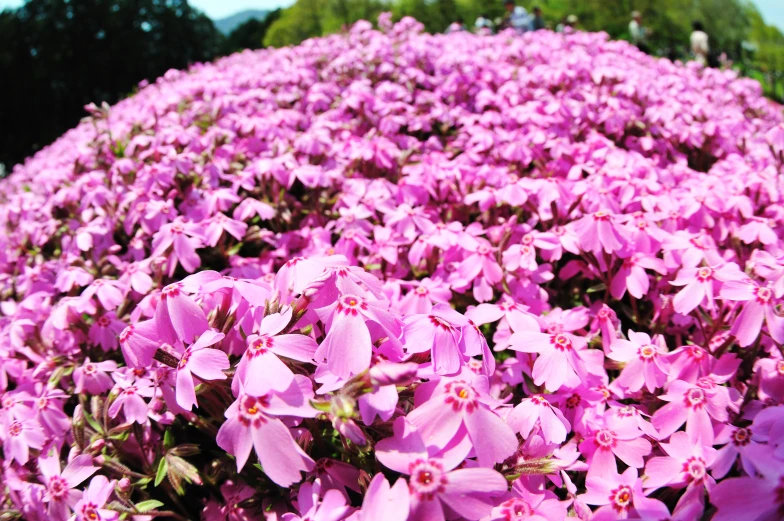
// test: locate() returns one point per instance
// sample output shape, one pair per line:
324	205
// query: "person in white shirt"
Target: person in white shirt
638	32
699	43
483	25
516	17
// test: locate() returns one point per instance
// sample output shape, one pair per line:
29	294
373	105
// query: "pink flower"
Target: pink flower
686	463
131	401
537	409
253	422
433	484
90	507
699	285
618	437
93	377
60	496
139	343
480	267
632	277
206	364
695	405
619	496
441	333
760	305
315	504
456	409
383	502
423	296
260	365
600	231
646	362
218	224
104	331
186	238
529	505
177	316
559	360
19	436
347	347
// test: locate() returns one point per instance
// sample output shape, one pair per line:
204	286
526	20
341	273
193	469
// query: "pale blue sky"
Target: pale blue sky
772	10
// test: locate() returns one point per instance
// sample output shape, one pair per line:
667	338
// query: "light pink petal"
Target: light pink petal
209	364
689	297
551	369
436	422
235	439
186	393
79	469
492	439
348	348
281	458
187	318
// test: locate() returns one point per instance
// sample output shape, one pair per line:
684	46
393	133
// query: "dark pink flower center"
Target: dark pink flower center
601	216
695	398
764	295
251	410
621	498
741	437
58	488
704	274
694	468
573	401
350	305
605	439
260	346
421	291
90	369
172	290
440	323
483	249
461	396
561	342
90	511
427	479
516	509
15	429
647	353
104	321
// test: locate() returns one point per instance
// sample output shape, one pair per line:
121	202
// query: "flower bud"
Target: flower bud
124	485
393	374
350	430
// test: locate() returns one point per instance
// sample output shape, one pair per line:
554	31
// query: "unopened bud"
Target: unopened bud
342	407
124	485
393	374
350	430
97	445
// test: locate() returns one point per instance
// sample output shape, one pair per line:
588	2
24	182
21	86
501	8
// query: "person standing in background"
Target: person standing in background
638	33
538	21
516	17
483	25
699	43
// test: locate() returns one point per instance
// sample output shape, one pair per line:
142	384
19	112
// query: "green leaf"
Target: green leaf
168	439
163	467
150	504
598	287
94	424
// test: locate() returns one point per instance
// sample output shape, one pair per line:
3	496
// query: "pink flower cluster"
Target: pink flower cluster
390	276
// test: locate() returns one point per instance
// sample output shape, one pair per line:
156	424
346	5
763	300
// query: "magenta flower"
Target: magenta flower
699	285
60	496
139	342
185	239
219	224
686	463
252	422
104	331
618	496
347	347
91	506
537	410
423	296
527	504
433	484
480	267
439	332
457	409
177	317
19	436
695	405
130	400
632	277
600	231
109	293
206	364
317	505
383	502
760	304
260	362
93	377
618	437
559	360
646	362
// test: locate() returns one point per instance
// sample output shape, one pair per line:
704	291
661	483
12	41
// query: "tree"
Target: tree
63	54
250	34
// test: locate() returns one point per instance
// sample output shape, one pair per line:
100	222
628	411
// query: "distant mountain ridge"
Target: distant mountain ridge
228	24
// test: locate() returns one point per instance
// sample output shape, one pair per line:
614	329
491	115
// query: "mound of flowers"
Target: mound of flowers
393	276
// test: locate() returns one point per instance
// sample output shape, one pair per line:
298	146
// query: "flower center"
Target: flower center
427	478
440	323
704	274
15	429
58	488
620	498
516	509
647	353
763	295
561	342
601	216
695	398
260	346
421	290
350	305
605	439
461	396
483	249
741	437
694	468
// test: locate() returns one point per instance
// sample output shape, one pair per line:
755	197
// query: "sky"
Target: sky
772	10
